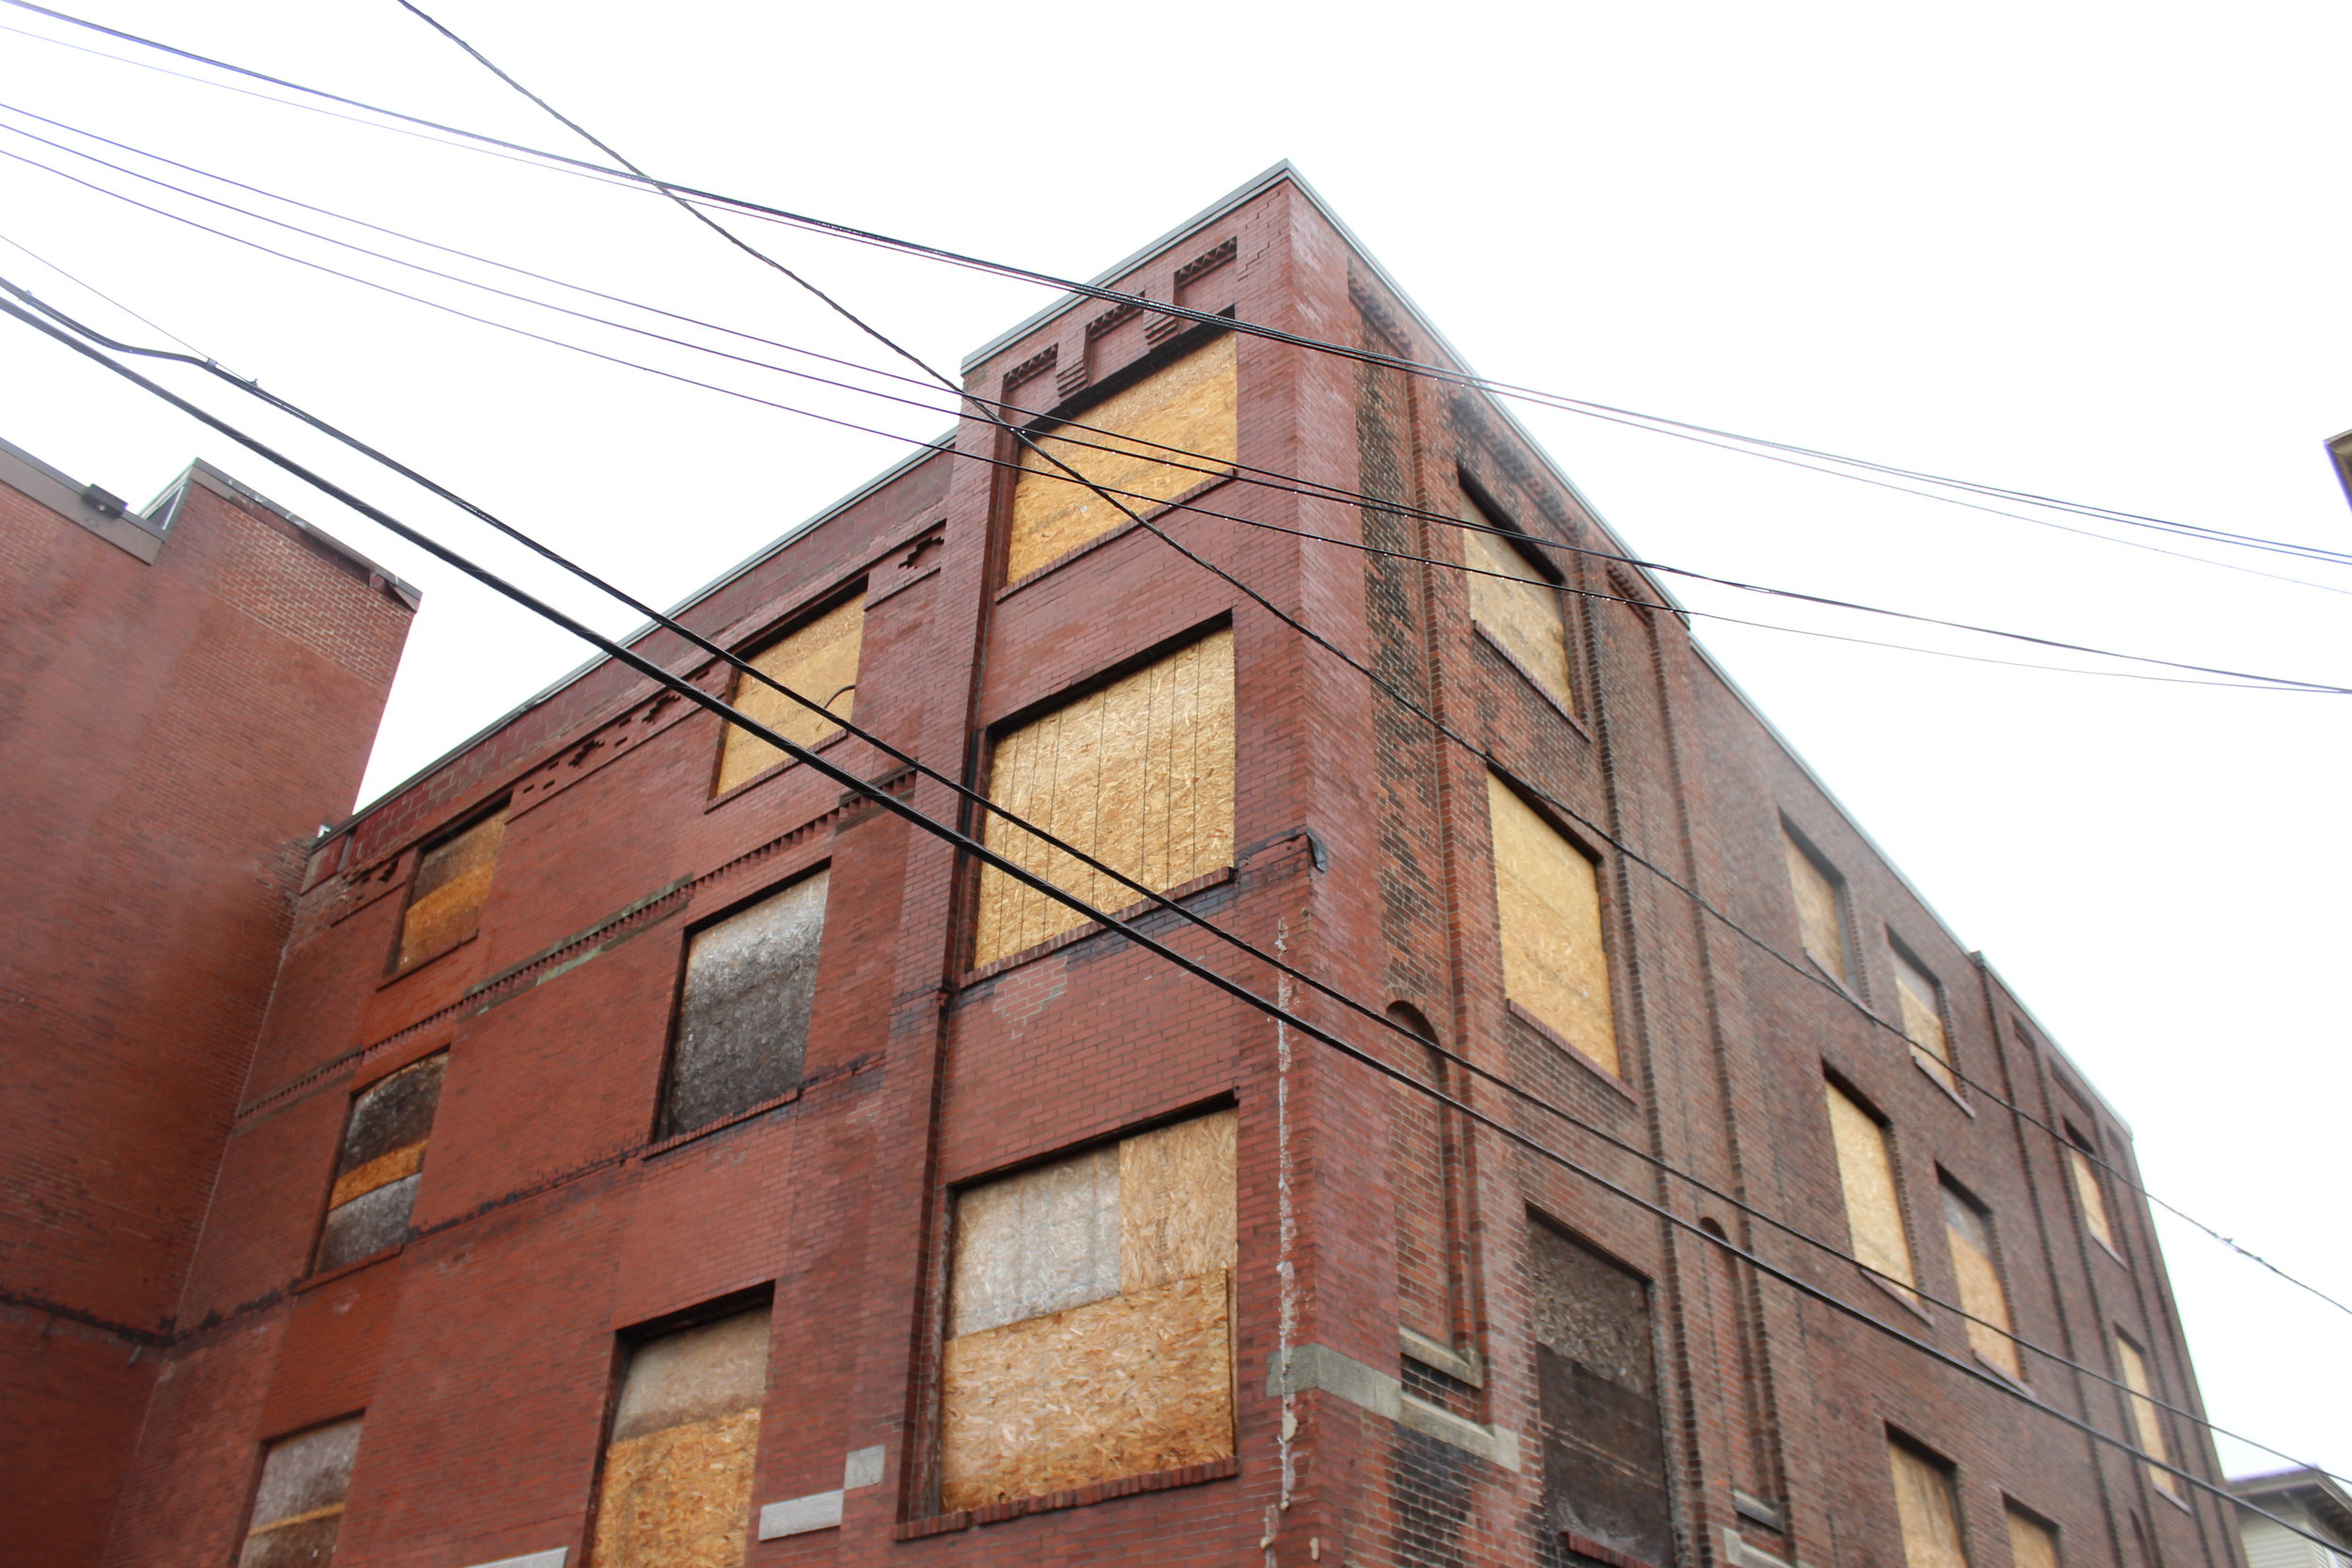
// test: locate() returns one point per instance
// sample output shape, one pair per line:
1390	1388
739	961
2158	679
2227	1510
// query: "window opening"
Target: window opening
1821	896
1866	1173
452	883
676	1483
1976	1262
1555	964
298	1503
819	661
744	1012
380	1163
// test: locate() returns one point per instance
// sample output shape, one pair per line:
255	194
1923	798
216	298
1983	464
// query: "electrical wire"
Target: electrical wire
1283	1016
2236	679
2123	1177
688	195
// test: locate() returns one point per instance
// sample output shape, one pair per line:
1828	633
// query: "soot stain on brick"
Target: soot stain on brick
1432	1480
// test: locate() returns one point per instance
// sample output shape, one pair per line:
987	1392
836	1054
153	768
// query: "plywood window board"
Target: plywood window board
2147	1421
1597	1387
1089	1332
744	1008
1865	1175
2033	1543
2089	1191
1928	1506
452	883
380	1164
1191	407
1138	773
1555	963
819	660
1968	1229
1922	1002
298	1504
1520	608
1821	900
676	1483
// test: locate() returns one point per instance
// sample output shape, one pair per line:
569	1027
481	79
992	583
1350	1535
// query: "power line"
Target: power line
1283	1016
1028	441
1280	483
688	195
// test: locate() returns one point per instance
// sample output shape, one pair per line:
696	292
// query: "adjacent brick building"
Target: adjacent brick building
185	694
653	1154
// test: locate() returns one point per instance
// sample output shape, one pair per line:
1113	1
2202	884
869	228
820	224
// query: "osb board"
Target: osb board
1037	1242
1522	614
695	1374
680	1497
2031	1542
2147	1424
1138	774
367	1224
1118	1388
1548	894
2088	1191
1192	405
1819	922
1923	1021
1980	1294
307	1474
305	1540
1590	1311
819	662
1929	1513
1176	1202
453	881
1865	1170
750	981
382	1171
392	1112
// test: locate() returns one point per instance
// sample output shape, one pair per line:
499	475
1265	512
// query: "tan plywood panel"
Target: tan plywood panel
382	1171
298	1505
677	1490
1970	1232
1138	774
1929	1513
2031	1542
1176	1202
1037	1242
680	1497
1127	1385
453	883
1523	614
1820	913
819	661
1192	405
1547	895
2147	1422
1865	1170
2092	1197
1923	1020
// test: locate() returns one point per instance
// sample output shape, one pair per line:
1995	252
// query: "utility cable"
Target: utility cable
1027	440
1156	897
1283	1016
2245	680
687	194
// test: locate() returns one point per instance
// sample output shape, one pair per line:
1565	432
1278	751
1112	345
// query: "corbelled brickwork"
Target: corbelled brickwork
1446	1348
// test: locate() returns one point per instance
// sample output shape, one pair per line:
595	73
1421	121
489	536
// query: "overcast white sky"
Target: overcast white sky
2088	250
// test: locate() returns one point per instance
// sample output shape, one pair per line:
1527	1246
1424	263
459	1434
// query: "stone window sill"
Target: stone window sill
1076	1496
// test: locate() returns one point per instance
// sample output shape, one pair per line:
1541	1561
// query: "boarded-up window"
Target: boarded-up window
1547	898
1597	1384
1520	608
298	1506
1928	1506
1089	1319
1192	406
742	1030
1138	774
2033	1542
2147	1422
453	883
380	1164
1821	907
819	662
1922	1002
1865	1172
1969	1229
2089	1192
678	1471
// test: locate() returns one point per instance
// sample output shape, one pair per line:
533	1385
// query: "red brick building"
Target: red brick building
185	693
653	1154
